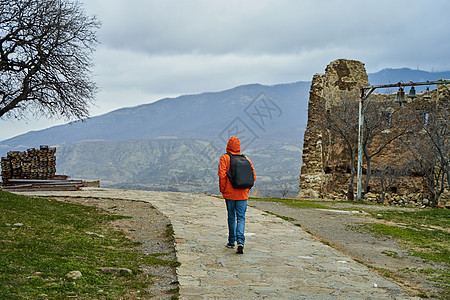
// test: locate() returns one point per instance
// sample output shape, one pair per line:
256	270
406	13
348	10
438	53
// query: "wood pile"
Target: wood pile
30	164
34	169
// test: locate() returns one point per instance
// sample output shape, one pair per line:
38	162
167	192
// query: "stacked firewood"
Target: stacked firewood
33	170
6	168
30	164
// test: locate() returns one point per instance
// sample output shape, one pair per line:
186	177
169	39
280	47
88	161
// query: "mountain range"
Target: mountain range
390	76
175	143
202	116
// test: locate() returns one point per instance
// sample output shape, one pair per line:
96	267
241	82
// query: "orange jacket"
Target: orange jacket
227	190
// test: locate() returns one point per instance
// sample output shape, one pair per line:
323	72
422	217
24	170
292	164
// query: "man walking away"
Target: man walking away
235	197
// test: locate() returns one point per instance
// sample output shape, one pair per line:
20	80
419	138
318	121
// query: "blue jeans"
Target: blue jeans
236	220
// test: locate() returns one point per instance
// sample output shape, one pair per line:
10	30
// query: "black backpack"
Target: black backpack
240	172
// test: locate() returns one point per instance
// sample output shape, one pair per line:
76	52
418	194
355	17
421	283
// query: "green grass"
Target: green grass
390	253
53	240
281	217
427	217
425	233
430	245
294	203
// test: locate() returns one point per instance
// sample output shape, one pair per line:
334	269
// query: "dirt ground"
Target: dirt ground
342	230
339	229
147	226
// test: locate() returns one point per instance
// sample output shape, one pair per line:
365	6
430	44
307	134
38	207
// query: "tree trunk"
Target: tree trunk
447	169
435	200
383	189
350	196
383	195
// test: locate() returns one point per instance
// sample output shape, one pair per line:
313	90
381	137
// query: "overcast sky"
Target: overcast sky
152	49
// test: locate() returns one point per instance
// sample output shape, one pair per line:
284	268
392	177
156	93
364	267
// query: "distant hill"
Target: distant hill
389	76
174	143
176	165
202	116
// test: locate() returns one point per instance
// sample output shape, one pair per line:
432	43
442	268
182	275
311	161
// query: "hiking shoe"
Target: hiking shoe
231	246
240	249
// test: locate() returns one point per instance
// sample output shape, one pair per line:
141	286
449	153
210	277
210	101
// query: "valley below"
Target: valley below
178	165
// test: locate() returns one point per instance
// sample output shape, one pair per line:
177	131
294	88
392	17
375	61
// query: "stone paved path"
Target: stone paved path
281	261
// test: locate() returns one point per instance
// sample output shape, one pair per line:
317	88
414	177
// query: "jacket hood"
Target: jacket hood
234	145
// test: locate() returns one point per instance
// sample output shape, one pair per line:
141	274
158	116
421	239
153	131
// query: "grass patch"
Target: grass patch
390	253
294	203
429	245
170	233
419	218
281	217
155	260
41	240
425	233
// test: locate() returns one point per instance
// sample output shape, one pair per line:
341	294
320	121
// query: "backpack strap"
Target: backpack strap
229	168
231	154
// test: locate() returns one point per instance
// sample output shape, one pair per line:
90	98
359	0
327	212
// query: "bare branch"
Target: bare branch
45	58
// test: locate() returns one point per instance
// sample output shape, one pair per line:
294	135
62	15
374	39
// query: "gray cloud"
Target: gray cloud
253	27
153	49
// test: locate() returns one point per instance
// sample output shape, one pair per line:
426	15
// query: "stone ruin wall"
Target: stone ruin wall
324	171
341	78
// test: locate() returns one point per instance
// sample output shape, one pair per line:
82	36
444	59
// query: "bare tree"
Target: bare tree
341	122
384	122
45	58
430	148
387	174
284	189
